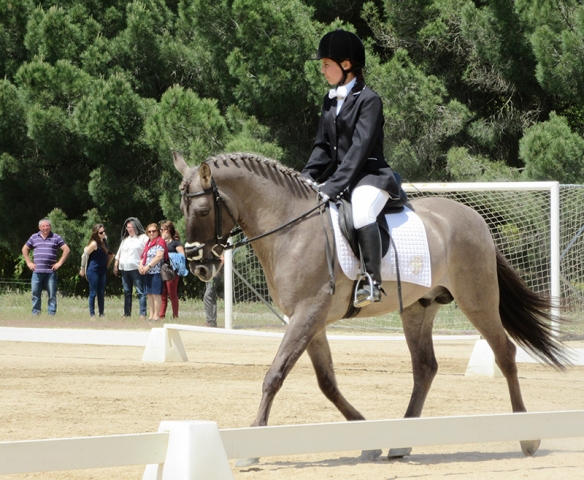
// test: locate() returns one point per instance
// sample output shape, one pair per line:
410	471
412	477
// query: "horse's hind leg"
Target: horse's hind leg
483	313
320	355
417	321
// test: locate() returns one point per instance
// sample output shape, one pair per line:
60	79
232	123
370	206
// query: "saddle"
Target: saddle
393	205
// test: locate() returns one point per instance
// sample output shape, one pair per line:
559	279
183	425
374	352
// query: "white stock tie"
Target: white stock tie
339	93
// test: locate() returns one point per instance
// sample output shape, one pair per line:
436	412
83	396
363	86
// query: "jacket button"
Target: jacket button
335	148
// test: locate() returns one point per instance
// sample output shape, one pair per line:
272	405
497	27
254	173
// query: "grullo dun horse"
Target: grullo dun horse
272	202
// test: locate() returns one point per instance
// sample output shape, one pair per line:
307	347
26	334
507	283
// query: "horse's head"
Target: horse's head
208	218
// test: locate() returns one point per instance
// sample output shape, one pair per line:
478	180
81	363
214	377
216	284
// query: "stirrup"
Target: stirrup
371	298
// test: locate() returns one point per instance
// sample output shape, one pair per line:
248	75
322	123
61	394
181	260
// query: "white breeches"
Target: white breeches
367	202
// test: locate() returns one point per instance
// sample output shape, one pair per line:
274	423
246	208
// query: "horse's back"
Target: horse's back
462	250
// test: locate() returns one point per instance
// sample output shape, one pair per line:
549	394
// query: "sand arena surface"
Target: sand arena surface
57	391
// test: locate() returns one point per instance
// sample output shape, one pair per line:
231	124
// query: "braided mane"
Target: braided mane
236	157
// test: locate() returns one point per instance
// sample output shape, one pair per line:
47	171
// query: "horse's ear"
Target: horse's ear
205	175
179	163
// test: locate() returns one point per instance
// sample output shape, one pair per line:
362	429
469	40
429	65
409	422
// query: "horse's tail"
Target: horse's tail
527	317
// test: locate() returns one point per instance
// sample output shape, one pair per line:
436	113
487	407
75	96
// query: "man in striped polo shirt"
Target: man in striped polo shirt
46	245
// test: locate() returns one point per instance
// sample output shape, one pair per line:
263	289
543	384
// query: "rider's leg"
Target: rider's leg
367	202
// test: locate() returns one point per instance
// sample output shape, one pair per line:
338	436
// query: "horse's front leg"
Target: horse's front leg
304	326
417	321
320	354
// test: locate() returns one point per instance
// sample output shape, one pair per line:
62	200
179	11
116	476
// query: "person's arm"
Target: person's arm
142	268
157	258
26	255
110	257
180	249
117	258
66	251
85	257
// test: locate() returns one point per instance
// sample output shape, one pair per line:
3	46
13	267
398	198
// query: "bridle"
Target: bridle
218	203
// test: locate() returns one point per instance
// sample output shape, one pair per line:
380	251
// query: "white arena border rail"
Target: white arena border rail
185	450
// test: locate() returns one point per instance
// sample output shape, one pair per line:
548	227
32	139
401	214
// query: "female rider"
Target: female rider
348	151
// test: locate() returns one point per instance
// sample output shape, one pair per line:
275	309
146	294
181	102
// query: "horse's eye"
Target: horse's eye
204	213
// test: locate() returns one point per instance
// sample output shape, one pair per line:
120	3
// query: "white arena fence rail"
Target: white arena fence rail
190	450
539	227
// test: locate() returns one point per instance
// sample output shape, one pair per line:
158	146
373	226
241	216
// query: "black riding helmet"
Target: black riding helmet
340	45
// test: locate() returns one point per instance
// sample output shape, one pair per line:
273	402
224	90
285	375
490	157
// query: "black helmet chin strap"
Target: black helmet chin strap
345	73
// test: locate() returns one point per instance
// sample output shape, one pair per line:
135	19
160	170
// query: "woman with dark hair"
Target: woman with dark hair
154	254
94	262
175	248
347	157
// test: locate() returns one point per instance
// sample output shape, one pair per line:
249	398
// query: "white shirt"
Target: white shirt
130	251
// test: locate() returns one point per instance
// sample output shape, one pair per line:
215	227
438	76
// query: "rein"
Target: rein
218	201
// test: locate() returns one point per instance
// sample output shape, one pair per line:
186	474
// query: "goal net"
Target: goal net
538	226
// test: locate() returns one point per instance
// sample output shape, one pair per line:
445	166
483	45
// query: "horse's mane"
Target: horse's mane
237	157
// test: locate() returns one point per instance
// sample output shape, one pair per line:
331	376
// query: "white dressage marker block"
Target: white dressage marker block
164	345
482	361
195	452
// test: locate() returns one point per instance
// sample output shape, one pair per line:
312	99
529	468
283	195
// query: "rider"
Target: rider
348	151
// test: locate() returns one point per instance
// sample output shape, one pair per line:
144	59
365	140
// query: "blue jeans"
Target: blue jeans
132	278
96	288
40	282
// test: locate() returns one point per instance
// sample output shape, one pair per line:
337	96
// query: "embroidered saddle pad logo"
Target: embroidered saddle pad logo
409	236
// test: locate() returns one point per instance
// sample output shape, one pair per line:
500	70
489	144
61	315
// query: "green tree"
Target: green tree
551	151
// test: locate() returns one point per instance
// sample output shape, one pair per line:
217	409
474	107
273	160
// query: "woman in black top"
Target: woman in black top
94	262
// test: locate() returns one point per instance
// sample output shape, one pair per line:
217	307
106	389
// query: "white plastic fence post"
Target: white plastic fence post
228	287
164	345
482	361
195	452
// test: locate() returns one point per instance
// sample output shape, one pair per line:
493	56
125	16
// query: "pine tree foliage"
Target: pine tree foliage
95	95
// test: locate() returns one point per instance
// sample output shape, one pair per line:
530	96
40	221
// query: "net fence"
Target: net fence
520	224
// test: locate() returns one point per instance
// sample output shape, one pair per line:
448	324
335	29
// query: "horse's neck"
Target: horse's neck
266	202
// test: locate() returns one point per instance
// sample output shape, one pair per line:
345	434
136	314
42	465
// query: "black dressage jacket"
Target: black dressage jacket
348	149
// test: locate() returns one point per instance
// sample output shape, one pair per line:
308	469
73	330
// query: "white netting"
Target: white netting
519	221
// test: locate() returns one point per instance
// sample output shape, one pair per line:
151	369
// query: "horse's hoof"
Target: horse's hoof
246	462
370	455
529	447
399	452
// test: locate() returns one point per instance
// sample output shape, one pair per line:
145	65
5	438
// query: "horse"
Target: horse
275	207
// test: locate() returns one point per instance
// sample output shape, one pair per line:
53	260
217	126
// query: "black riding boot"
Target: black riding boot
369	240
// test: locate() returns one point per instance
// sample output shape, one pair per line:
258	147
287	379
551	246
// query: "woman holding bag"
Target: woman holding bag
155	253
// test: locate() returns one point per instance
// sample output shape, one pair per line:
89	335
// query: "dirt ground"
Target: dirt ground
57	391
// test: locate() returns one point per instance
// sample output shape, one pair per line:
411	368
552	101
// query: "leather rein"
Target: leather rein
219	203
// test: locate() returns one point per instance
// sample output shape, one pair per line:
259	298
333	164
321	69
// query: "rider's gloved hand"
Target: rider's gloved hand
323	197
312	183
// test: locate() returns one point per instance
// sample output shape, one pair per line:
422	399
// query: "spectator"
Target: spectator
45	244
175	250
127	261
155	252
94	262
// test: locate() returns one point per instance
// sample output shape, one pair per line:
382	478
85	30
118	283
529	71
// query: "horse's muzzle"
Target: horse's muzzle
205	271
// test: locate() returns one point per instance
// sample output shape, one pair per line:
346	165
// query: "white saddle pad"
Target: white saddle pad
409	236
